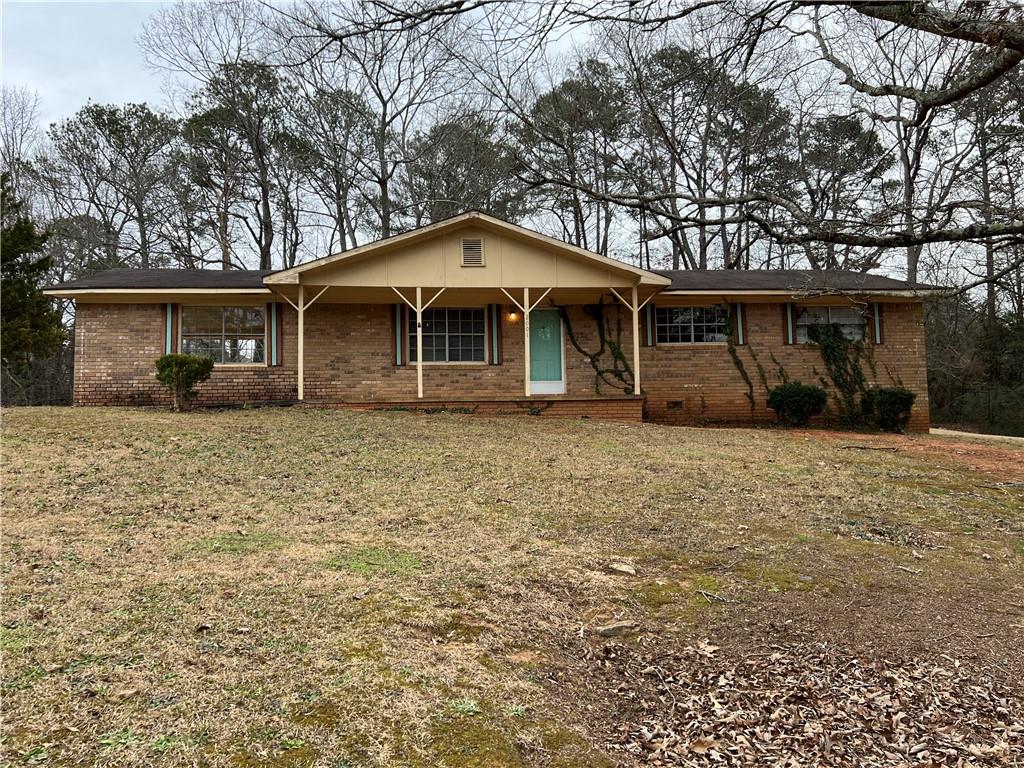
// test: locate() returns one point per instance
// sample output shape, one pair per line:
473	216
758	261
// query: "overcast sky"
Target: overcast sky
71	52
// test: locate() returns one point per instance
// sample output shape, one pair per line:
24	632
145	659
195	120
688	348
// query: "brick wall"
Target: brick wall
694	384
350	359
116	347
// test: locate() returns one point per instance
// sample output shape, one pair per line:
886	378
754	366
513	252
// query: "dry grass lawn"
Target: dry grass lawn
287	587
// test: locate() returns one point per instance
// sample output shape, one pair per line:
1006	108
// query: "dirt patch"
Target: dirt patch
1002	459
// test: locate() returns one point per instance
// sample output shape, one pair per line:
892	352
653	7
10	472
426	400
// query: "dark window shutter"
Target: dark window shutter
645	326
172	315
398	334
176	329
878	337
739	324
275	333
280	333
788	323
494	327
270	332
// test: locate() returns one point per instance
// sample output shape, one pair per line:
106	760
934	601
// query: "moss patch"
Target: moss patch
368	561
656	595
239	543
471	742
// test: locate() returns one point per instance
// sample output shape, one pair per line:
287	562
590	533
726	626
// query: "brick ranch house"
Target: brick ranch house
510	321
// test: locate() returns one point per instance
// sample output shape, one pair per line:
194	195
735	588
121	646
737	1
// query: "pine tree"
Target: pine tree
31	326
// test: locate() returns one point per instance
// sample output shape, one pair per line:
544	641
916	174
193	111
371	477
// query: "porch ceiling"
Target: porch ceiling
451	297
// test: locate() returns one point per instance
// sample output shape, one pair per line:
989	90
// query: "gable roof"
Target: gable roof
455	222
794	281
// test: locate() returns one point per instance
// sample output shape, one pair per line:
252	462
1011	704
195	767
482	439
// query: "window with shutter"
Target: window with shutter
224	334
849	319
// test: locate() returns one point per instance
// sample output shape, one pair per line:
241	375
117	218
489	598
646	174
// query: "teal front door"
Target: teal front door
546	352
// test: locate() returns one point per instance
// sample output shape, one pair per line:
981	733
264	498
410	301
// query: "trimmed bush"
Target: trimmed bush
180	374
796	403
888	408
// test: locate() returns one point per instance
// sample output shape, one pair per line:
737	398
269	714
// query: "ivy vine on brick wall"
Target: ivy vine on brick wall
610	365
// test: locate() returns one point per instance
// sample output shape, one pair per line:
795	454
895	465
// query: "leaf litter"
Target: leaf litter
802	704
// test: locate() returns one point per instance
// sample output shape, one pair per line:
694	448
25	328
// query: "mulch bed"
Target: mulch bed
804	704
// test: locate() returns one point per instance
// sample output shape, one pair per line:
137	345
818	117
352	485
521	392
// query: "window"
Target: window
224	334
691	325
449	336
849	319
472	252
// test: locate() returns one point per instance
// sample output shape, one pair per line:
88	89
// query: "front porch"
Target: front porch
471	309
366	354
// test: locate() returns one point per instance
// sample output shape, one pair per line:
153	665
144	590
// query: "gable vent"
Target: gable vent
472	252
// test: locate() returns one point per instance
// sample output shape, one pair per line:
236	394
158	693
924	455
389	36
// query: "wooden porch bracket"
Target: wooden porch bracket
418	308
526	308
635	306
282	296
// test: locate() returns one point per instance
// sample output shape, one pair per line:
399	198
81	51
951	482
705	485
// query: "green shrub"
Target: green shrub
180	374
888	408
796	403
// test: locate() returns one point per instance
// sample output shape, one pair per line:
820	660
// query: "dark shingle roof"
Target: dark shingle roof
795	280
131	279
721	280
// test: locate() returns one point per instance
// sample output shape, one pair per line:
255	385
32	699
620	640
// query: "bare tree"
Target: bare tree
20	136
115	164
330	121
990	40
223	47
400	81
213	160
249	94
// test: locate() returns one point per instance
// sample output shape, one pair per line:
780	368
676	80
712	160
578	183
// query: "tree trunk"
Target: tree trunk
223	224
383	183
986	213
913	251
266	222
143	239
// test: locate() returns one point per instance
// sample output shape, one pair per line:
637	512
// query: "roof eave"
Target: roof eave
919	293
76	292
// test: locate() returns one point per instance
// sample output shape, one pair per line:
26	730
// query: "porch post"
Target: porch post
302	336
636	343
419	342
526	337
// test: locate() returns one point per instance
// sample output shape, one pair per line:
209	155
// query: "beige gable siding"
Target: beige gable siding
509	262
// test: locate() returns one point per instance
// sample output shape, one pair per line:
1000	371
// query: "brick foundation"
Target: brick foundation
598	408
350	361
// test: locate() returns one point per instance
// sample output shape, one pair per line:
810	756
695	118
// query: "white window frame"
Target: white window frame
691	343
266	330
801	311
410	338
